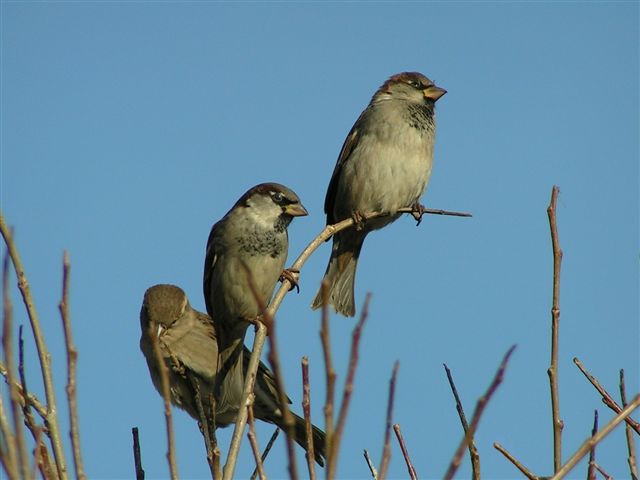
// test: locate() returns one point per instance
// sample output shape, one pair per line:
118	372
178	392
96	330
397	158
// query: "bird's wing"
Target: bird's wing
347	147
193	343
209	264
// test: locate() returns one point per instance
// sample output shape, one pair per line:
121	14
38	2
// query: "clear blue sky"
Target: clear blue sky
128	129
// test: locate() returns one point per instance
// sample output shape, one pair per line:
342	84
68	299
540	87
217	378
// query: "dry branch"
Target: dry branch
475	420
555	327
631	447
595	439
526	472
372	469
606	398
267	449
348	389
7	344
330	376
308	426
253	439
386	449
137	459
166	397
72	359
43	354
591	474
405	452
473	451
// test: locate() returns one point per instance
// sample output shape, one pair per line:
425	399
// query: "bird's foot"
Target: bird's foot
292	276
417	212
358	220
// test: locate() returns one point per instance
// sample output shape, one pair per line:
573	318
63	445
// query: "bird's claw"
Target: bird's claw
358	220
417	212
292	276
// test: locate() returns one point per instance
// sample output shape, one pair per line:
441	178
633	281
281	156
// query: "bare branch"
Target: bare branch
631	447
72	359
527	473
386	449
25	396
348	388
601	470
137	458
372	469
253	439
475	420
591	474
325	339
308	427
405	453
606	398
7	345
267	449
594	440
166	397
558	425
473	451
43	353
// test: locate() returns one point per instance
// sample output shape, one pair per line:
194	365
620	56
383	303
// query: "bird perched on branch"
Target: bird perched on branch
189	348
384	165
245	256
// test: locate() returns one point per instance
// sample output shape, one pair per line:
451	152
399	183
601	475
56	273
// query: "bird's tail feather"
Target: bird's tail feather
341	274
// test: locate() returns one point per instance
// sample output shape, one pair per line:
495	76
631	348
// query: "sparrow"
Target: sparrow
245	257
384	165
190	350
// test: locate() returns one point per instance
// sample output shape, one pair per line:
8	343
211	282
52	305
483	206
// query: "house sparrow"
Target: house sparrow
245	257
384	165
189	347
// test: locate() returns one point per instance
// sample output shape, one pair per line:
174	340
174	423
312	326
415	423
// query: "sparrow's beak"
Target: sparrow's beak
295	210
433	92
160	330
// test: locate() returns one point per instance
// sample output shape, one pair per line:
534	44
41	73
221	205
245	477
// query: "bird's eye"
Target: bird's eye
278	197
415	84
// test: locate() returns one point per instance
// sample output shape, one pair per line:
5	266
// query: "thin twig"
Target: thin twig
137	458
42	458
330	377
591	474
473	451
166	397
405	452
8	457
606	398
43	354
241	420
372	469
602	471
261	334
594	440
631	447
267	449
26	397
308	427
558	425
386	449
527	473
7	345
253	439
348	388
72	359
475	420
289	421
